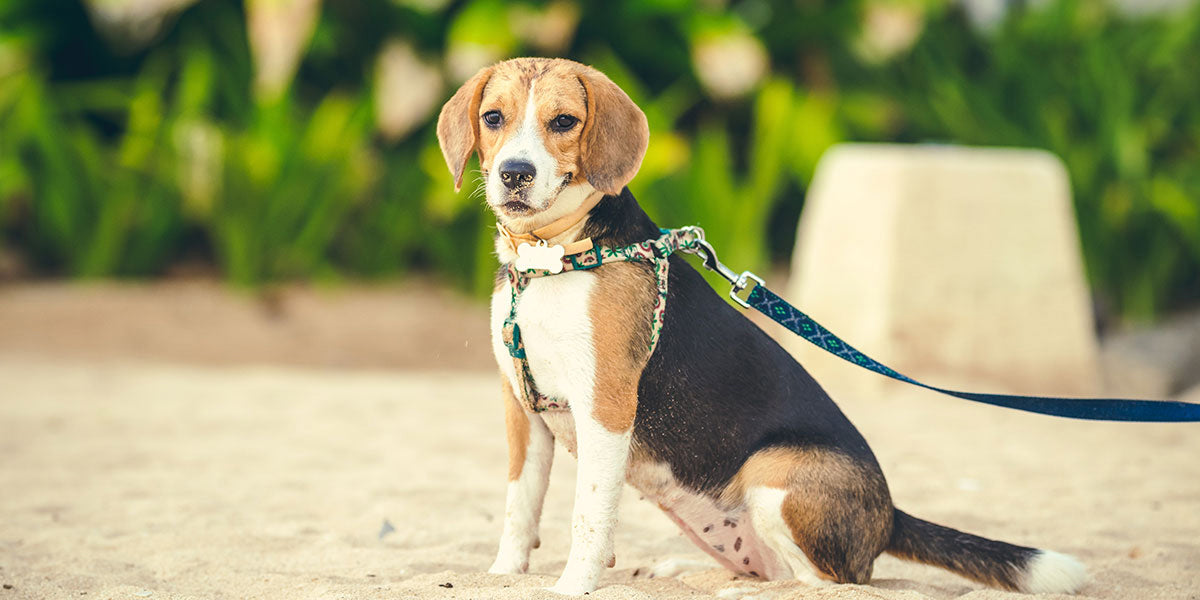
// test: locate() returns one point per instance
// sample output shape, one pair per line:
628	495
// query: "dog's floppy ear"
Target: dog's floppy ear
458	125
614	135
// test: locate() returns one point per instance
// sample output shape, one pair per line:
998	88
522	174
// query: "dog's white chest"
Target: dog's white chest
553	317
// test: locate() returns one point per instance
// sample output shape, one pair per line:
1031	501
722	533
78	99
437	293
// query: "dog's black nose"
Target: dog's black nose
517	173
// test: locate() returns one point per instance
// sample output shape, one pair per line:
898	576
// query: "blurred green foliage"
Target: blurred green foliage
124	159
1117	100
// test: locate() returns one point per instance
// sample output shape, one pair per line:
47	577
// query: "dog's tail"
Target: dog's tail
987	561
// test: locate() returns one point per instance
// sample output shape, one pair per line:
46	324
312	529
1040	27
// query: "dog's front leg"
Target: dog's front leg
603	456
530	454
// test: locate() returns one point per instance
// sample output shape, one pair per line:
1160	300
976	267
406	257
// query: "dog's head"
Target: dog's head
542	128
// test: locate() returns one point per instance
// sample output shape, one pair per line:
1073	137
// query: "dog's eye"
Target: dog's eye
563	122
493	118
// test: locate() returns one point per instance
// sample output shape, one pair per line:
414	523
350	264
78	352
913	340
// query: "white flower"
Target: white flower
464	59
729	64
132	22
550	29
406	89
889	29
279	30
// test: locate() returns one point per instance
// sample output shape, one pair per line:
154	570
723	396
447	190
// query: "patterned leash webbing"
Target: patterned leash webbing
1096	409
655	252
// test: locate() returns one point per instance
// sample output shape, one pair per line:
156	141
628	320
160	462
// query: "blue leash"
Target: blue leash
1093	409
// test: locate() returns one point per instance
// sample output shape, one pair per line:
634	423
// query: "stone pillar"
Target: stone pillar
957	265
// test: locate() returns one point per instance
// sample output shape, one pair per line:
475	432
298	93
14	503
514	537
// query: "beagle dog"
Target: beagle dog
716	423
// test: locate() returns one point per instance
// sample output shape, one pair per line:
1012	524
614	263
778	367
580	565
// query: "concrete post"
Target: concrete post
959	265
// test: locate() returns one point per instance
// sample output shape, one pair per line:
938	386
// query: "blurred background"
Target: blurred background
270	142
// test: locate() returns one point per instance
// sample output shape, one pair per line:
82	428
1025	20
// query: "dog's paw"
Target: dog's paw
508	566
575	584
570	589
742	593
673	567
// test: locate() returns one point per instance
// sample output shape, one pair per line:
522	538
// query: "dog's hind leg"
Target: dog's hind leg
825	516
530	454
785	559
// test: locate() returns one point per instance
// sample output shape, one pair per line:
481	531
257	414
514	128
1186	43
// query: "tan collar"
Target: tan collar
557	227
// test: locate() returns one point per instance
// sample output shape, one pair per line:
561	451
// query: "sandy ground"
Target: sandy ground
132	480
415	325
201	321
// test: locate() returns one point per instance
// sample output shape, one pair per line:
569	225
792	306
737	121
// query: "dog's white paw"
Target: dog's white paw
570	589
739	593
507	565
678	566
576	582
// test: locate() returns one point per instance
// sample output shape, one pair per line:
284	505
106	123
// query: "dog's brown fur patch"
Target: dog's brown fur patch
620	308
837	509
516	425
769	468
559	92
615	134
458	124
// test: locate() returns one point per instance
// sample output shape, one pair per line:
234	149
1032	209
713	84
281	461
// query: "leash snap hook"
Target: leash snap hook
738	281
741	284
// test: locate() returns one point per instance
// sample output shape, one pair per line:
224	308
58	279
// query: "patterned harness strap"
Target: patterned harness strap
654	251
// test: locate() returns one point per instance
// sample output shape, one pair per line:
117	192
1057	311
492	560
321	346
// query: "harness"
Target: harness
654	252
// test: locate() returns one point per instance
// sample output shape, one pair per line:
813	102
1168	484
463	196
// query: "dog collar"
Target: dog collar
649	251
540	237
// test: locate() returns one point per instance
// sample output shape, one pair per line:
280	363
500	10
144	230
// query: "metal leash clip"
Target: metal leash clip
709	256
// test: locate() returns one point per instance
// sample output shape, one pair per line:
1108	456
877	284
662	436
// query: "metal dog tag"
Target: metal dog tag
542	257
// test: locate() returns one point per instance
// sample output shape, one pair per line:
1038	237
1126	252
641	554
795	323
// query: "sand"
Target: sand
130	479
201	321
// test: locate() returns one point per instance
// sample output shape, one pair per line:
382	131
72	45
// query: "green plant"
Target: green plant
1114	98
286	191
120	160
94	208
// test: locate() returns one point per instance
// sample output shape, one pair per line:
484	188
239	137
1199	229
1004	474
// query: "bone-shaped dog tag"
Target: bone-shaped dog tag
541	257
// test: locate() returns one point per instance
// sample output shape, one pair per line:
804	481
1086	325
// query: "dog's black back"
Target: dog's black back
717	388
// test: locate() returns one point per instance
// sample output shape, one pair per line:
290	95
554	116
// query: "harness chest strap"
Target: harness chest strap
654	252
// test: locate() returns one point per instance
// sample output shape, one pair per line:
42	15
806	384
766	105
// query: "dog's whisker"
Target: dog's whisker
480	190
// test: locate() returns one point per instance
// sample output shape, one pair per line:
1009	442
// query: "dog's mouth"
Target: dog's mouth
517	204
516	208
